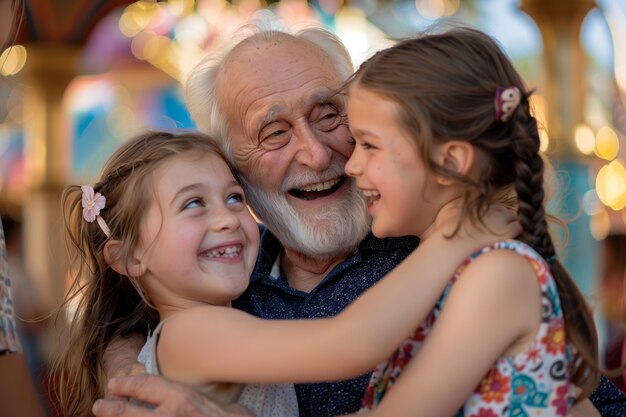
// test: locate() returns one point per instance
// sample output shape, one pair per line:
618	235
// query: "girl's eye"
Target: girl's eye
366	145
196	202
235	198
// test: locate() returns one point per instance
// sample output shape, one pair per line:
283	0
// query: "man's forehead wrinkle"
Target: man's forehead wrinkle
263	98
252	104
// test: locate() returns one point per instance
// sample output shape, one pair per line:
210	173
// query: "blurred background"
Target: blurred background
84	75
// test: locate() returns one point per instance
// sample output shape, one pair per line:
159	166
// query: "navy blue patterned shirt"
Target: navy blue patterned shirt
271	297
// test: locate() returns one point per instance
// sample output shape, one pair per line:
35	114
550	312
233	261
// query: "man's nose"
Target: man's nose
312	150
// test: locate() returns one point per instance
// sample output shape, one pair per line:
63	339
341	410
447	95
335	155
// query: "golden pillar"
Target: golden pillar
564	85
48	144
564	82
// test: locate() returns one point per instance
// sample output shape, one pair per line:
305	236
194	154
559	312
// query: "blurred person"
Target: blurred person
18	396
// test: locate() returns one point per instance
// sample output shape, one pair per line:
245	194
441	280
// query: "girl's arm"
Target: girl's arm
494	309
209	343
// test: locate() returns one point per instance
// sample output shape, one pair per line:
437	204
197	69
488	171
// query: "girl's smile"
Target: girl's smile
229	253
199	241
401	197
371	196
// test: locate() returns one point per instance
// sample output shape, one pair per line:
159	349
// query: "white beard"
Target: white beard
338	229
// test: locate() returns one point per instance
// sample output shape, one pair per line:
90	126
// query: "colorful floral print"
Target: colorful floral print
533	383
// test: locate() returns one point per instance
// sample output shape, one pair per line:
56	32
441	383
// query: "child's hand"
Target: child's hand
499	222
584	408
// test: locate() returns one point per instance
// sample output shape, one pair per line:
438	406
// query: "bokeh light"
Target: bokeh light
611	184
12	60
585	139
607	143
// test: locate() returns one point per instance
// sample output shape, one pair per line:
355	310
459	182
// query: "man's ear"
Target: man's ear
455	156
132	266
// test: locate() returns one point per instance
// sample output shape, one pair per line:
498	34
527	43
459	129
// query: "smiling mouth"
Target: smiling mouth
317	190
371	196
224	252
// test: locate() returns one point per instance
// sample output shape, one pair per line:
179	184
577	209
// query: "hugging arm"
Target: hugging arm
255	350
170	399
200	354
488	311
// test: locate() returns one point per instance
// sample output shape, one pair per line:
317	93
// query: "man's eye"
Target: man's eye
274	139
329	119
275	134
196	202
235	198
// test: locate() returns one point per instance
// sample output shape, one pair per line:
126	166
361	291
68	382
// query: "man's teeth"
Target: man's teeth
228	252
320	186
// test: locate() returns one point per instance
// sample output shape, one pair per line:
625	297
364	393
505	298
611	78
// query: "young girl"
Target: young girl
442	124
177	234
164	241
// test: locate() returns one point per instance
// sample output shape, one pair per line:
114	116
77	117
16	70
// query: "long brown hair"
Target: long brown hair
444	85
102	304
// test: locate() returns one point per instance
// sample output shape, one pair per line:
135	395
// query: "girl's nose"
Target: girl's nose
354	164
223	219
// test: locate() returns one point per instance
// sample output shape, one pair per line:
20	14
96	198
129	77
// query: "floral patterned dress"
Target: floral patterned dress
534	382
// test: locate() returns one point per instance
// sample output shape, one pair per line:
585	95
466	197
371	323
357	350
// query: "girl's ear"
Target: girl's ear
132	266
455	156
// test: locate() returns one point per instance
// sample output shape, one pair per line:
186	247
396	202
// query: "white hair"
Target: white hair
201	86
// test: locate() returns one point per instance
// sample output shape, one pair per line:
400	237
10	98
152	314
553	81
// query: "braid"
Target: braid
529	169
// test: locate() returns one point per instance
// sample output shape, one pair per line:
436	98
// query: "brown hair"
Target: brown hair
444	85
103	304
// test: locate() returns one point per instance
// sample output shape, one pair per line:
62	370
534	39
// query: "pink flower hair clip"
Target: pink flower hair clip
506	101
92	203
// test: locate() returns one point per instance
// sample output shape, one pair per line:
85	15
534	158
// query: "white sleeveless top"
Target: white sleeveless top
264	400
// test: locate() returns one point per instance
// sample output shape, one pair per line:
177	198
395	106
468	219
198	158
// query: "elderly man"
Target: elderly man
273	100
